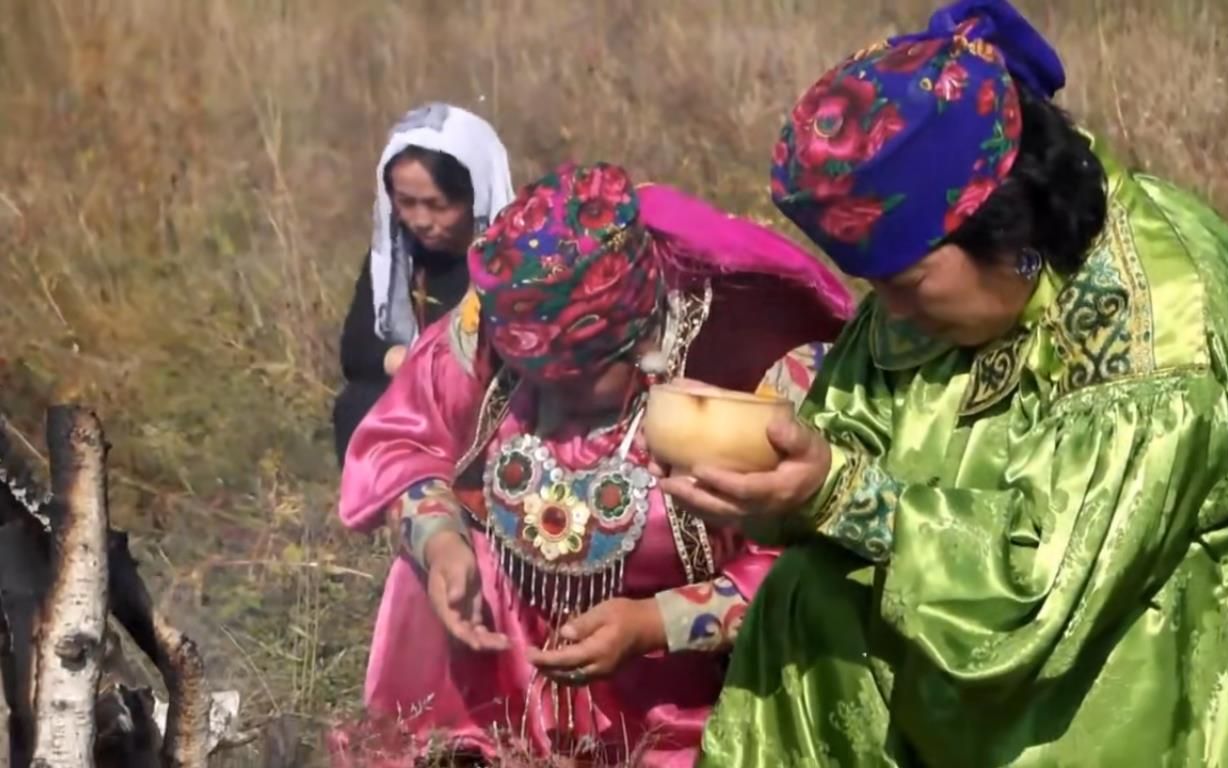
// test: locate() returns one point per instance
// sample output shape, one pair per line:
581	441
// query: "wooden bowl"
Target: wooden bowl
688	423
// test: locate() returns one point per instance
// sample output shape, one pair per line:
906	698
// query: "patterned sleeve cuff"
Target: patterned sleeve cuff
786	530
857	505
702	617
427	508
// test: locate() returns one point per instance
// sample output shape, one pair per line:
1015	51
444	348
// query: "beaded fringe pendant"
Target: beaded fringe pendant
559	595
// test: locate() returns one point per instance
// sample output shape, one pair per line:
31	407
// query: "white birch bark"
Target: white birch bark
74	615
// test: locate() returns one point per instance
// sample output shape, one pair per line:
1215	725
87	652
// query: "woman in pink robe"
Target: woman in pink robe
549	597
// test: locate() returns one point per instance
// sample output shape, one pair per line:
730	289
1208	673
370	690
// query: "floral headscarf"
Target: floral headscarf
565	275
889	152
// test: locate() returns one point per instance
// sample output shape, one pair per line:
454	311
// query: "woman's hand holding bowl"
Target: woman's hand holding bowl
728	497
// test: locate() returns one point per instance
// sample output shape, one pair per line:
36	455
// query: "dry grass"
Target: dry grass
184	196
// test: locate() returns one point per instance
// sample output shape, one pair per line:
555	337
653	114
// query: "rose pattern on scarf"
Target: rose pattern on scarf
951	83
986	98
906	59
999	153
565	280
1012	119
845	161
851	219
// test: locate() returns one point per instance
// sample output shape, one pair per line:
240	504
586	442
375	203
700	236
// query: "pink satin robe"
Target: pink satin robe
770	296
657	702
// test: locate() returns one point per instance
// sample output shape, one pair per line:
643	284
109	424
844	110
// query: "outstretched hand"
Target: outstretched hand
454	588
722	497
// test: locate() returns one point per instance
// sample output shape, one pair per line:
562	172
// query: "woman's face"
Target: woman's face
607	391
596	395
438	223
952	297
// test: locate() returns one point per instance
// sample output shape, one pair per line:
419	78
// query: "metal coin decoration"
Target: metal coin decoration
563	535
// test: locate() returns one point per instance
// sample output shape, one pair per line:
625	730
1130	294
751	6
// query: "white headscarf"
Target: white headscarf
474	143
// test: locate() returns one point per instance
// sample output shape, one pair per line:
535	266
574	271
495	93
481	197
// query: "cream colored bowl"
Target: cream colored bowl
688	424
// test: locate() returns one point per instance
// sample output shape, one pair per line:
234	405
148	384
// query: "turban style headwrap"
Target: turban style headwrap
893	149
575	270
565	279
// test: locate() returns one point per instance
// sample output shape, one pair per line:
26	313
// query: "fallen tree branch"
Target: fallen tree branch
186	740
38	539
74	615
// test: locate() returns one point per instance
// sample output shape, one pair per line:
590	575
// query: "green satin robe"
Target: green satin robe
1021	557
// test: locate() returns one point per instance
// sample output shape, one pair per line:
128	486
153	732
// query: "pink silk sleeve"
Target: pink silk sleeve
740	560
414	432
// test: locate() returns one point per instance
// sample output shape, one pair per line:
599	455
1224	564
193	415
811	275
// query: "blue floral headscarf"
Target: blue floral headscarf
893	149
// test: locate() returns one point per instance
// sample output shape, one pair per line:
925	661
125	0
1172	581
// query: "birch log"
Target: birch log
33	532
74	614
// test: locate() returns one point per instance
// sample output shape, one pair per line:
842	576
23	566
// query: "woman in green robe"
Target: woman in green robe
1007	493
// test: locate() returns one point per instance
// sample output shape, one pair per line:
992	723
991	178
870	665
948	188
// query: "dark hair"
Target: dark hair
1054	199
446	171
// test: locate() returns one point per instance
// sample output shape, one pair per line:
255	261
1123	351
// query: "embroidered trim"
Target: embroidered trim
895	345
463	330
689	532
702	617
493	410
688	313
996	371
845	485
861	510
1102	322
426	508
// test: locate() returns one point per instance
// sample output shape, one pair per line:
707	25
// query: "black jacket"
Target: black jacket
362	351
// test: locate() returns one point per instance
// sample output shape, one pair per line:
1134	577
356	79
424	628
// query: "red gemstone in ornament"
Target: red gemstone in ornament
554	520
513	474
610	497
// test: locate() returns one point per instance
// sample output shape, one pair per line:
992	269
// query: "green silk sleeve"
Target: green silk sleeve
1097	505
850	404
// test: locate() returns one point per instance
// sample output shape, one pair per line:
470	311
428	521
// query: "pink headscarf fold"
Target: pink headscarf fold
770	295
709	242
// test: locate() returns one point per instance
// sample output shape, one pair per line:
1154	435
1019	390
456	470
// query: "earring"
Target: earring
1029	263
654	365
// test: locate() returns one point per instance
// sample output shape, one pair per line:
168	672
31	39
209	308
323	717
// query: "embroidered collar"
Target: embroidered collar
997	366
897	345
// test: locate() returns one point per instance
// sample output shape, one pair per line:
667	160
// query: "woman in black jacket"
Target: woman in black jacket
442	177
